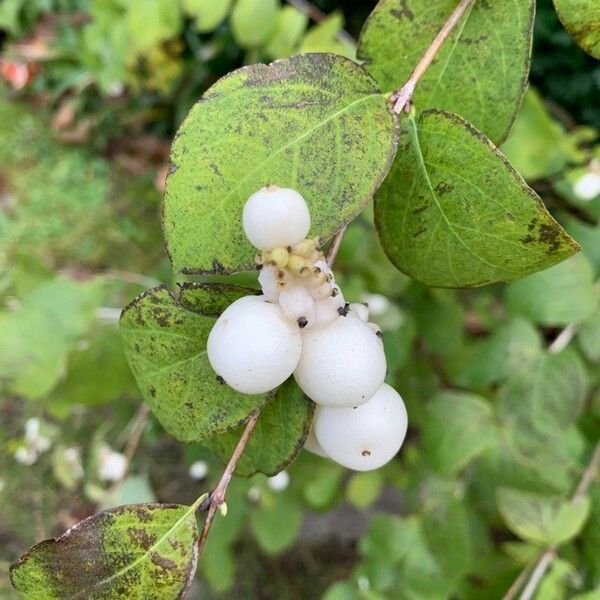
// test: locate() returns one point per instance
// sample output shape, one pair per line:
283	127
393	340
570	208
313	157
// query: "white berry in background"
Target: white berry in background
274	217
279	482
312	445
376	303
198	470
365	437
342	364
252	347
112	465
298	305
587	187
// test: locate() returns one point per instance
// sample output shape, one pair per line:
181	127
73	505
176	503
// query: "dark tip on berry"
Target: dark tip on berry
289	249
220	380
302	322
366	453
334	292
365	304
379	334
354	407
343	310
258	267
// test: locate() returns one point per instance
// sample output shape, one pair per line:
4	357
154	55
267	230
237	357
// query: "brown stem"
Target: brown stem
543	563
217	497
335	245
317	15
403	96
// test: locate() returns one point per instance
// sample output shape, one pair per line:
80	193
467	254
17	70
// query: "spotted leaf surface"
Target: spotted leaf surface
132	551
581	19
165	343
278	437
314	122
479	73
454	213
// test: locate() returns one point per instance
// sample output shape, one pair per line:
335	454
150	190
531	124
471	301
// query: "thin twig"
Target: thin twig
217	497
563	339
543	563
317	15
335	245
403	96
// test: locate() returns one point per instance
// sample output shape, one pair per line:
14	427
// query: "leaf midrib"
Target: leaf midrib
143	557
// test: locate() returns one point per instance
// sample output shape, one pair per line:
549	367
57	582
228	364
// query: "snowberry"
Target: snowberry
312	445
587	187
342	364
298	305
275	217
360	310
279	482
252	347
365	437
328	310
268	284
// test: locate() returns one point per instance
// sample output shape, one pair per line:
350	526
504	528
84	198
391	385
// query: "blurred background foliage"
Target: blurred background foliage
502	383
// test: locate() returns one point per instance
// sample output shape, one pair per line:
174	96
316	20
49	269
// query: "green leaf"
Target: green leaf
481	70
316	123
165	345
322	37
463	217
535	143
253	21
277	438
557	296
458	428
364	488
211	299
150	22
291	24
207	14
133	551
581	19
512	348
589	337
549	396
540	519
276	525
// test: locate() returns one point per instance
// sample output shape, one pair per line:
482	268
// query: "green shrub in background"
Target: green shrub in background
501	382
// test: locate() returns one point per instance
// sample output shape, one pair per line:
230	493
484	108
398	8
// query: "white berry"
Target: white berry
360	310
327	310
253	347
365	437
312	445
268	284
342	364
298	306
275	217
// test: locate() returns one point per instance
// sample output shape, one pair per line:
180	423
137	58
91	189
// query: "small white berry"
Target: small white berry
198	470
268	284
327	310
342	364
360	310
312	445
253	347
298	305
112	465
587	187
365	437
274	217
279	482
377	304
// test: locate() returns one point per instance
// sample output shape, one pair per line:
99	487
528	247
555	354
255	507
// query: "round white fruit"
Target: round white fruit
298	305
274	217
360	310
342	364
268	284
327	310
312	445
365	437
253	347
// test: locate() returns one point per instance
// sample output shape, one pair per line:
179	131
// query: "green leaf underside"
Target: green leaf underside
165	345
581	19
211	299
454	213
313	122
132	551
480	71
278	437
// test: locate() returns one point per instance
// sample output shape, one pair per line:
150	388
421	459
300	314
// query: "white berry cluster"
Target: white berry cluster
302	325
